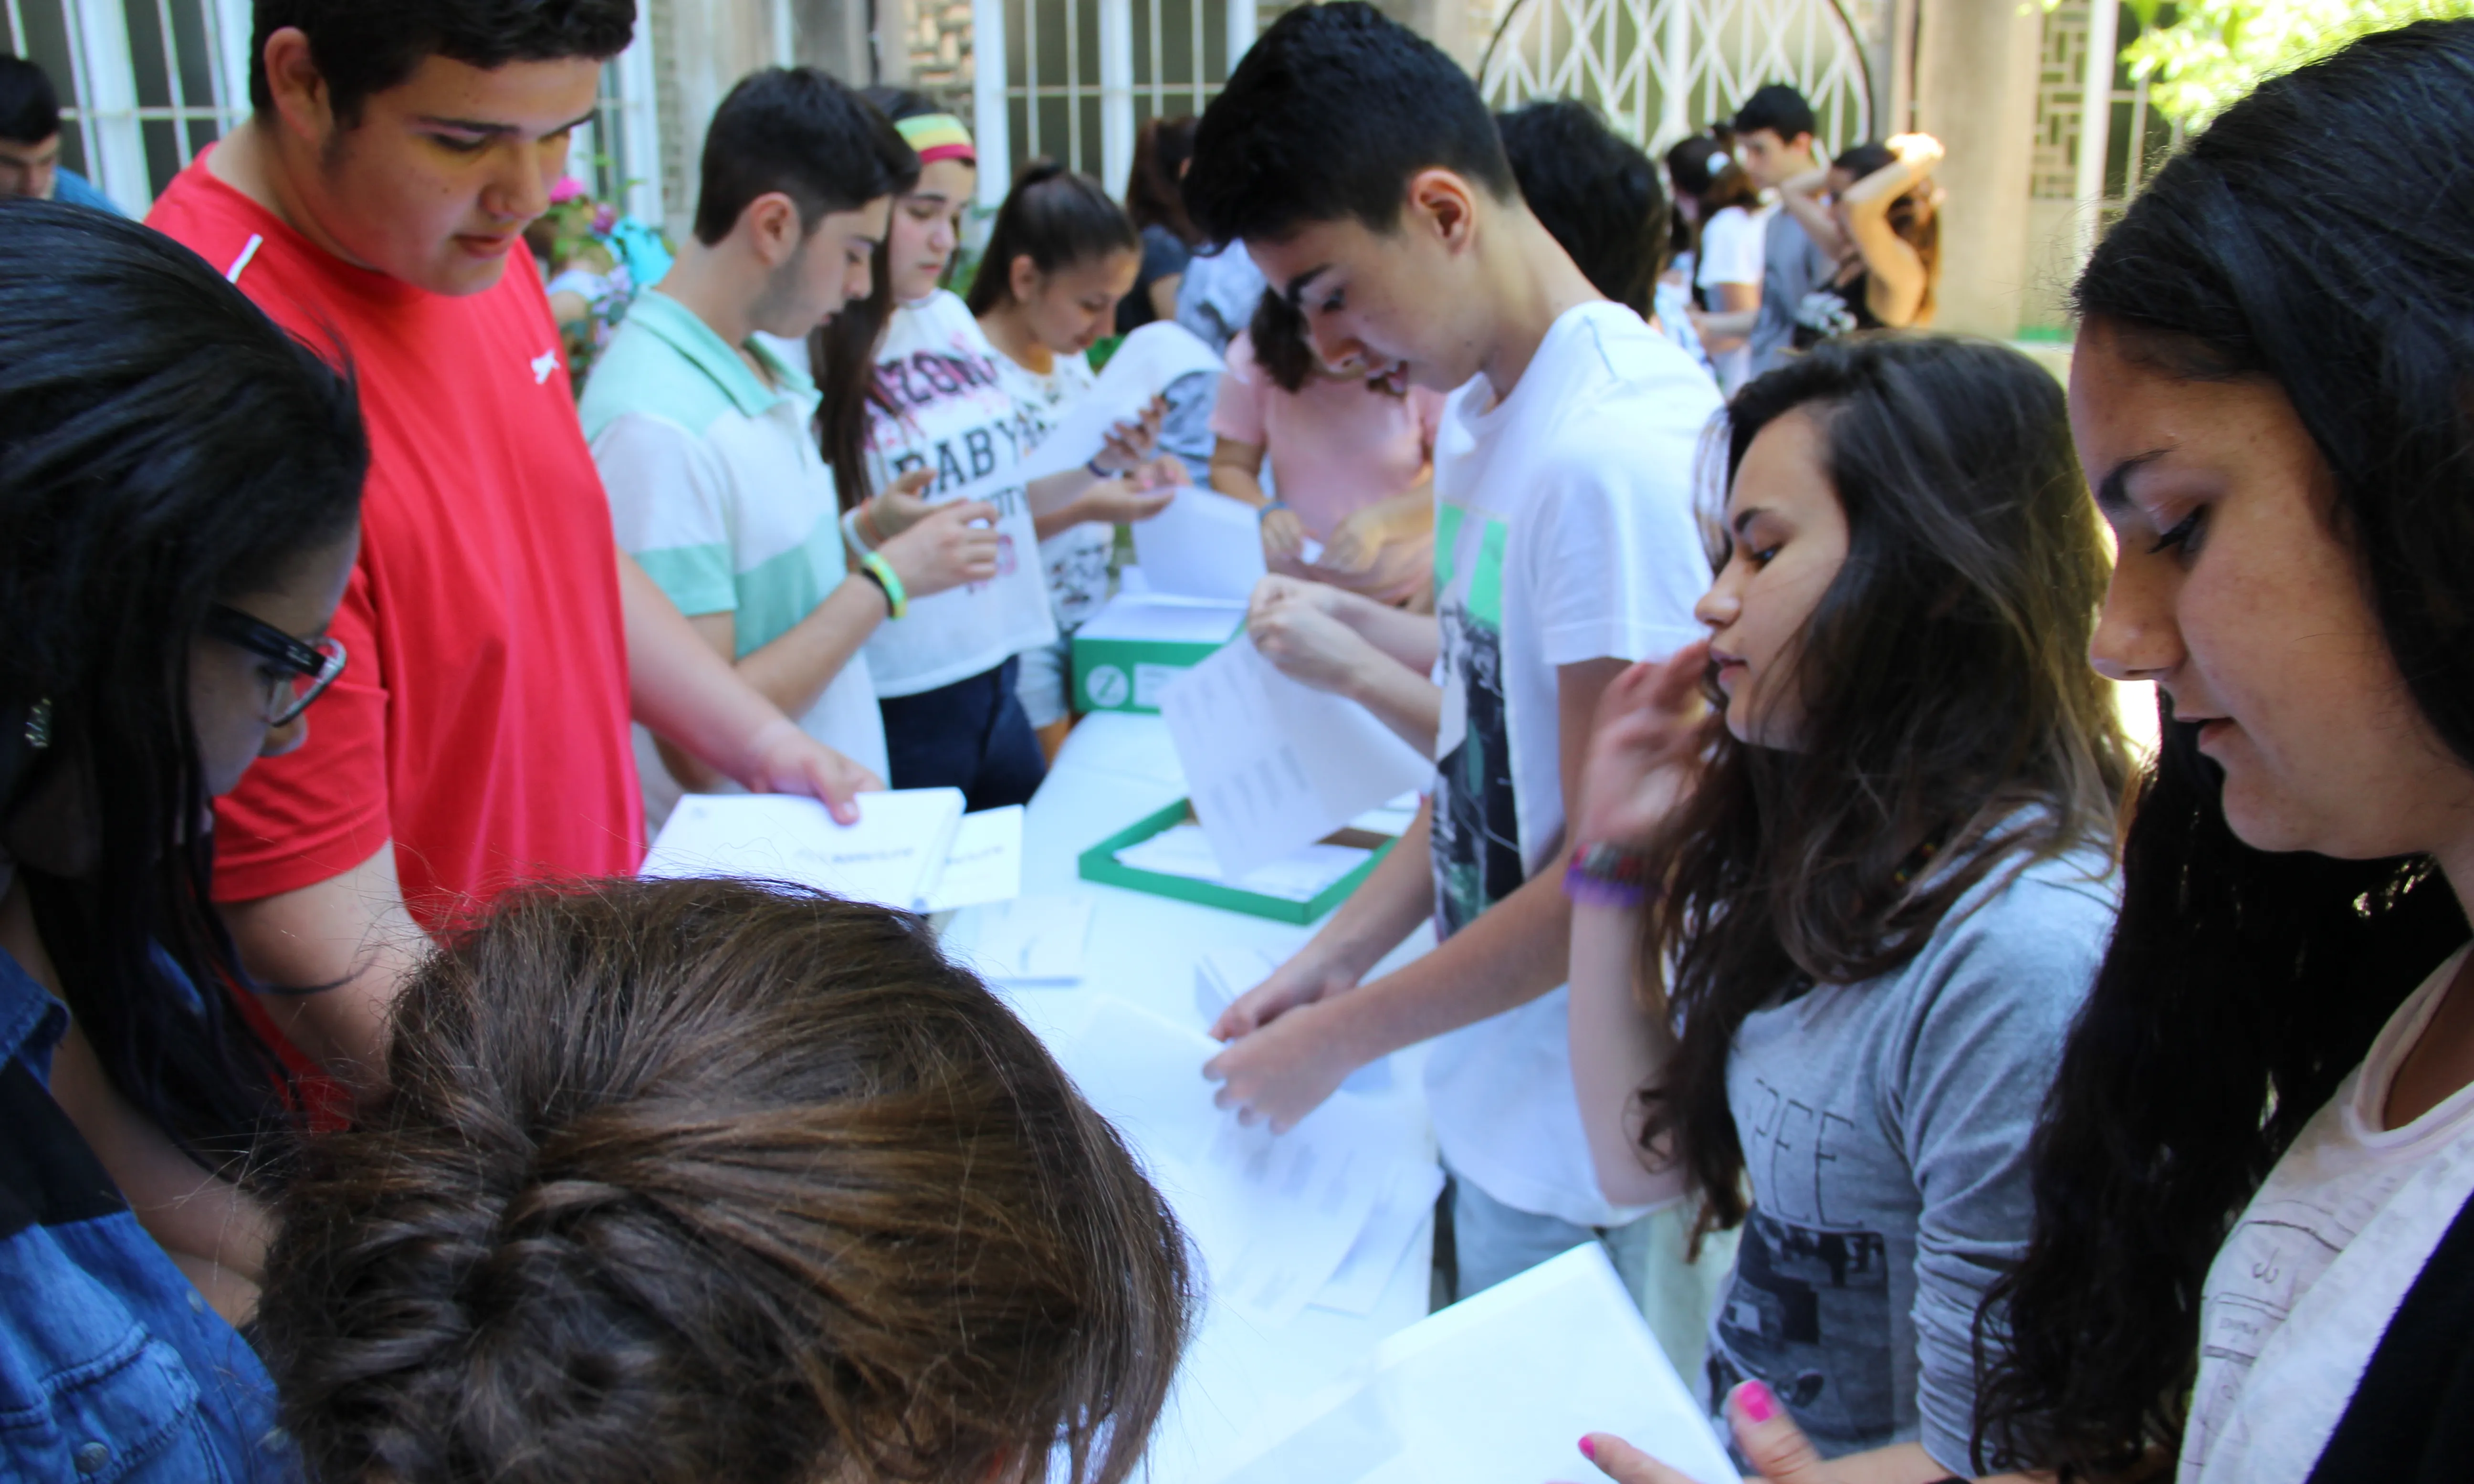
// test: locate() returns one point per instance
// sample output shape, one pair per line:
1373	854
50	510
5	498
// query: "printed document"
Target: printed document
891	856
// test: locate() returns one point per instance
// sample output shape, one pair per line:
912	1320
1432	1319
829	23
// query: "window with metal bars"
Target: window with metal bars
144	84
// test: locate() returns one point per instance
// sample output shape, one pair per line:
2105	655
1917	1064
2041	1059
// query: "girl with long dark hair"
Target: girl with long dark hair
1861	904
181	486
2253	1252
1876	211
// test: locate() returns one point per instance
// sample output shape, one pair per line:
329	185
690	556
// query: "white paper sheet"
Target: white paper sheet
1394	1224
983	863
891	856
1273	765
1271	1216
1142	368
1203	544
1495	1390
1031	940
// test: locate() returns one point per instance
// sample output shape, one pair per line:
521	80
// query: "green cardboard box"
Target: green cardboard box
1099	864
1129	651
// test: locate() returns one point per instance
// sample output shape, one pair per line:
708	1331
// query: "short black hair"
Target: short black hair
29	111
1595	192
796	130
367	46
1779	109
1328	117
1056	218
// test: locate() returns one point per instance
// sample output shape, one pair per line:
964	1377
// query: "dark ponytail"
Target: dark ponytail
2241	986
1056	218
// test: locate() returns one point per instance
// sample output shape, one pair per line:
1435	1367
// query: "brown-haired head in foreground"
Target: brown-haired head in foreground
697	1181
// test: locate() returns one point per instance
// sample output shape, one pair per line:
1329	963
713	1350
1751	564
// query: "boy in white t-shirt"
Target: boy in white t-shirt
1364	174
703	436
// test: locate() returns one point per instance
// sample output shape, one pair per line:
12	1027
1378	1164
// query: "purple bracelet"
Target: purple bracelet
1605	875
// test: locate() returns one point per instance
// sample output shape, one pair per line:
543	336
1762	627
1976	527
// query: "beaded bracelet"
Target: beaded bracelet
1605	875
877	569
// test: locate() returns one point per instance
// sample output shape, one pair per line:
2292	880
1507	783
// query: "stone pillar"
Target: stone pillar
1975	91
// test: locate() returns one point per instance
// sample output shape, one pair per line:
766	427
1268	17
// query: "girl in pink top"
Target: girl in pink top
1350	460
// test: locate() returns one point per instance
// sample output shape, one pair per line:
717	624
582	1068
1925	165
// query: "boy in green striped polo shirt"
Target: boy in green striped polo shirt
704	436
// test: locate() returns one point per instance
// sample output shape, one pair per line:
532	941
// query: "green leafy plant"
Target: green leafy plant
2199	56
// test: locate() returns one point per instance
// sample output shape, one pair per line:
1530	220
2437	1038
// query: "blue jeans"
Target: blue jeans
971	735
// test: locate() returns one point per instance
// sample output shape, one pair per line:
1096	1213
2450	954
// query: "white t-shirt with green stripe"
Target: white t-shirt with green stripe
717	487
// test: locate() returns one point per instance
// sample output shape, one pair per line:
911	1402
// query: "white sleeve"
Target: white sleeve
1731	248
670	508
1613	557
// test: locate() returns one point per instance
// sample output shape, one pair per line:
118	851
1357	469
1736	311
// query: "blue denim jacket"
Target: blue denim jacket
112	1366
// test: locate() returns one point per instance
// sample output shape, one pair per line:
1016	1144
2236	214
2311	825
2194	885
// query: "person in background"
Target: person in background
1350	452
935	422
1156	202
1874	889
30	141
702	437
698	1180
1060	259
589	289
1598	194
1361	168
182	498
374	203
1217	295
1725	226
1773	143
1876	213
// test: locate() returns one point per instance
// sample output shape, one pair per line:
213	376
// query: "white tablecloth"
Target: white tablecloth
1115	768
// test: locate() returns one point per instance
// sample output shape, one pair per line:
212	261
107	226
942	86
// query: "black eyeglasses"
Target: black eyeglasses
310	668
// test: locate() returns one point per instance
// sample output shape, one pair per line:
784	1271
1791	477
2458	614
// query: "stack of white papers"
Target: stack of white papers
1276	1219
897	855
1498	1388
1274	766
1301	876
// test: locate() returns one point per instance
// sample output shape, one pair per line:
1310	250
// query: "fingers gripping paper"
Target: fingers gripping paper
1142	368
1495	1389
1273	765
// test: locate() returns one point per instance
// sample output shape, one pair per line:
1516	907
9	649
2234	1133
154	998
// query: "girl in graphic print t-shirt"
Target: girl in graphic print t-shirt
1060	257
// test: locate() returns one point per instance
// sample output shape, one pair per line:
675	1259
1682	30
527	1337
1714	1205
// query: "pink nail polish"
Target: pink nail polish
1755	1402
1589	1450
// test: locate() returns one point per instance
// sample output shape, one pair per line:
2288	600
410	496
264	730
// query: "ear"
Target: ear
1442	202
1022	278
301	101
773	229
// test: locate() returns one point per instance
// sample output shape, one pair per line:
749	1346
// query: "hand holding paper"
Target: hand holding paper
1143	368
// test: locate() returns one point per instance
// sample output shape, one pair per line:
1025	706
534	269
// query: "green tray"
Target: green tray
1099	864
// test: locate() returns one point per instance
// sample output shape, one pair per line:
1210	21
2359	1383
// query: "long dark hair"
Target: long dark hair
1945	690
2243	985
843	349
1155	196
1915	215
162	446
1700	167
1056	218
697	1179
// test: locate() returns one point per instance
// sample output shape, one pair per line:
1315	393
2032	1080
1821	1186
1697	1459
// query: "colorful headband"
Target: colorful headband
937	136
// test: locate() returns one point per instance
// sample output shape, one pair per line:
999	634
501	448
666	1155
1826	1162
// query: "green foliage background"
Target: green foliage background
2199	56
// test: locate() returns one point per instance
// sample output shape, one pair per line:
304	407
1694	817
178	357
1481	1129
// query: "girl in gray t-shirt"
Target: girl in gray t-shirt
1828	938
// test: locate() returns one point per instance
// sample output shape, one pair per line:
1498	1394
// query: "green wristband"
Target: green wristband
896	601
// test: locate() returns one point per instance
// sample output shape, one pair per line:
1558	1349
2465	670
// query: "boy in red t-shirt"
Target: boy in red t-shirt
375	203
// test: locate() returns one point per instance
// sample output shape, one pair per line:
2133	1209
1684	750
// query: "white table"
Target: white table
1116	768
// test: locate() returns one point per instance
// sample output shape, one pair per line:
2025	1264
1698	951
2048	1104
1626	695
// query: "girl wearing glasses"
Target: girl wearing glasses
180	485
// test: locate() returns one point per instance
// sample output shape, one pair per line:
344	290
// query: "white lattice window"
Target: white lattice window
144	84
1081	76
1660	70
618	154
